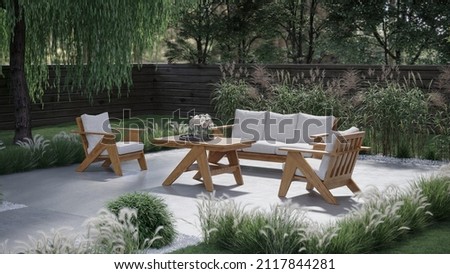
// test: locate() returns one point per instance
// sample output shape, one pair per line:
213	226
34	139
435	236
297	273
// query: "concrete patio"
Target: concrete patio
61	197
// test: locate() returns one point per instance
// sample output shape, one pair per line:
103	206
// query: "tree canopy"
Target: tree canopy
99	41
312	31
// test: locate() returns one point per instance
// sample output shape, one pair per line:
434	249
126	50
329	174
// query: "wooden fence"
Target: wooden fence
164	89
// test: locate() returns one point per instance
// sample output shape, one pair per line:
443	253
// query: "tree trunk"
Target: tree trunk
18	84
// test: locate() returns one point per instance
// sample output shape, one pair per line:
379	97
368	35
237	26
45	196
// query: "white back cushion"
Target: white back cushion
281	128
349	131
95	123
311	124
249	124
327	158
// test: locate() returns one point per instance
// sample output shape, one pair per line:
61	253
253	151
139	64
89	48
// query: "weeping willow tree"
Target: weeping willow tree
98	41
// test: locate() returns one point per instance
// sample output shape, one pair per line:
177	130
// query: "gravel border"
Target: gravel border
181	241
5	205
403	161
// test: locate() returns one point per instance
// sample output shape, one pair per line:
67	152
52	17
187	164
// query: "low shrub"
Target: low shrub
16	159
153	217
66	148
63	149
437	193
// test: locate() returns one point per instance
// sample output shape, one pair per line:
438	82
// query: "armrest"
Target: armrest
93	133
304	150
132	133
320	135
128	128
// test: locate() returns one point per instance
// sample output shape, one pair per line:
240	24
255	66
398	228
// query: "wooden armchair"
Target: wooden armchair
99	143
334	169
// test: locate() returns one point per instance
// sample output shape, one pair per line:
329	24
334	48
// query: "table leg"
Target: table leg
213	157
205	172
187	161
234	161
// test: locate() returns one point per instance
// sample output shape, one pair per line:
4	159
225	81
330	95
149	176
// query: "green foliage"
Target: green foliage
16	159
116	233
63	149
437	192
38	148
390	25
152	213
383	218
57	241
230	95
396	116
400	119
92	38
106	234
197	31
225	224
66	148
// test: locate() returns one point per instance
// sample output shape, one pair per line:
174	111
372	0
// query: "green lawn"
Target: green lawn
49	131
434	240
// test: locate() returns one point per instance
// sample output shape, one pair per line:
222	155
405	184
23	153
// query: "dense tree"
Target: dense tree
301	24
404	29
244	22
98	40
199	24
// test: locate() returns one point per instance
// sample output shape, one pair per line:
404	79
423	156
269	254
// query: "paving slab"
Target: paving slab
61	197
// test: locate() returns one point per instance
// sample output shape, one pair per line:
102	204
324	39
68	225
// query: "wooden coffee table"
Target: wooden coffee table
207	155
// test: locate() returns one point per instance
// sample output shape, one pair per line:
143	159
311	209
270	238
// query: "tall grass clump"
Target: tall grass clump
39	149
66	148
229	95
112	233
396	117
437	192
228	225
382	218
107	233
62	149
16	159
152	216
57	241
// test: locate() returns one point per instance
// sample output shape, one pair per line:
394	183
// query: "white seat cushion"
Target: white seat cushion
126	147
265	147
310	125
95	123
314	163
297	145
249	124
282	128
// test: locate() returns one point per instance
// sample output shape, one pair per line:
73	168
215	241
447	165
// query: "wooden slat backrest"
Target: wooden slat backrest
345	154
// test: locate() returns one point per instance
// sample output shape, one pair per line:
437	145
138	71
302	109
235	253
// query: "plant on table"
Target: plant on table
200	126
